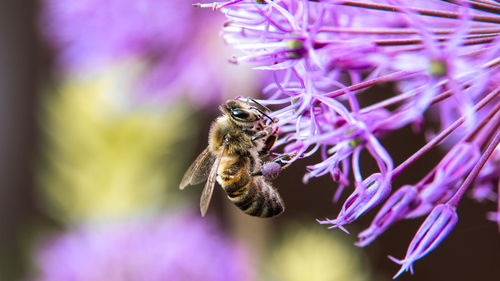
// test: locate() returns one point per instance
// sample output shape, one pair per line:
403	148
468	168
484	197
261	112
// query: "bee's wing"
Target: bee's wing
199	170
206	195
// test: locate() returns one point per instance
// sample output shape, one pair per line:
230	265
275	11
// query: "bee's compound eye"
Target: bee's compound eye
240	114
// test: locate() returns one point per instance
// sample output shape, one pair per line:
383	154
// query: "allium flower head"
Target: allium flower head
172	247
441	59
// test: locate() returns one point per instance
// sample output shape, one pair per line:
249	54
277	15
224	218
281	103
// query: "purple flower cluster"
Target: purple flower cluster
174	247
442	59
167	38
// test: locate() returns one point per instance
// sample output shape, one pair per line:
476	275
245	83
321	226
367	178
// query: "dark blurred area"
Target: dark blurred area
471	251
22	67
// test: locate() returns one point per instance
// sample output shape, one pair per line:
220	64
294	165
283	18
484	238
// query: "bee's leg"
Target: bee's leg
259	135
271	170
269	142
251	132
270	139
284	157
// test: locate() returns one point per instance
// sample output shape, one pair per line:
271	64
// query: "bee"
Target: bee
238	139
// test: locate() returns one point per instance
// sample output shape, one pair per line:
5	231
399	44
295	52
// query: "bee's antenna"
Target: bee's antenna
260	110
257	103
273	120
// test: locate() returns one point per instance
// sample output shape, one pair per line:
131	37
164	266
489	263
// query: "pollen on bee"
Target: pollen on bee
271	170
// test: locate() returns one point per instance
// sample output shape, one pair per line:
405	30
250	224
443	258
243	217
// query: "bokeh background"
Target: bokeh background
96	131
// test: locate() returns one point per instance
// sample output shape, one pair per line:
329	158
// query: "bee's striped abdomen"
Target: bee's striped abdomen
257	198
253	195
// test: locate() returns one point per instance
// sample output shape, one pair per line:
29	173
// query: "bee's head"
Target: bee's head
240	112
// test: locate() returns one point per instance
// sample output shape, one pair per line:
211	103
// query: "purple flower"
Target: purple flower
414	201
434	229
173	247
446	178
367	195
399	204
90	32
169	41
442	58
485	186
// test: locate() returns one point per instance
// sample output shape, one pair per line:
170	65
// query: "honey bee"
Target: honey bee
238	139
